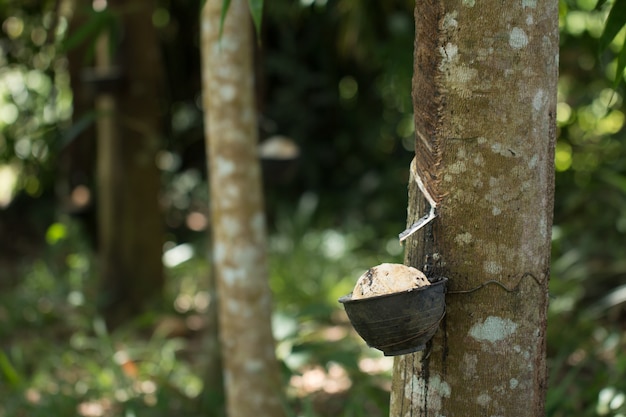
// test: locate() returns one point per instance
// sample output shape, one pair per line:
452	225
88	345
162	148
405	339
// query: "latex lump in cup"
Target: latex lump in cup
395	308
387	279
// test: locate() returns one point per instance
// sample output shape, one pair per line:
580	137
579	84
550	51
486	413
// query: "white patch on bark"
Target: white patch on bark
224	167
233	276
449	20
525	354
513	383
228	376
228	43
227	72
462	75
492	267
483	399
219	252
248	256
227	92
477	183
233	306
529	20
231	226
469	365
458	167
469	3
529	3
449	54
500	193
419	393
459	76
493	329
501	150
518	38
257	224
543	226
230	196
463	238
253	366
539	100
248	116
206	26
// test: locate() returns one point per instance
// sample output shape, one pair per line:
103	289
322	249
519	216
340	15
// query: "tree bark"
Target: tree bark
484	93
77	159
129	216
252	376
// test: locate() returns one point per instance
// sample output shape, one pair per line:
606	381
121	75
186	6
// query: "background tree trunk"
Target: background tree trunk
78	159
484	89
129	124
252	376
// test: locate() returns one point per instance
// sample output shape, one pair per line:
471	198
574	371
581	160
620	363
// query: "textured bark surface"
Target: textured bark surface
129	216
484	92
251	372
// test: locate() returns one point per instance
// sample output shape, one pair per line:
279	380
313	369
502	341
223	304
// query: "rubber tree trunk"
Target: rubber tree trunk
77	159
129	123
252	376
484	93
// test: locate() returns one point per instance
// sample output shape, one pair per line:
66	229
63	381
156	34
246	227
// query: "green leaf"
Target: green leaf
563	9
9	372
615	179
225	6
614	23
600	4
55	233
256	10
98	21
621	65
82	124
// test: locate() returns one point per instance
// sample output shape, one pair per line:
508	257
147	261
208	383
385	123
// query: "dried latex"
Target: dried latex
388	279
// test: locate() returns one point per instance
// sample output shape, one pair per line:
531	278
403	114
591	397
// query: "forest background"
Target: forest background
334	78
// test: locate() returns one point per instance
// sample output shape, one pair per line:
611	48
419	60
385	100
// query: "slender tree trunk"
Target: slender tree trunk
77	160
130	223
484	92
252	377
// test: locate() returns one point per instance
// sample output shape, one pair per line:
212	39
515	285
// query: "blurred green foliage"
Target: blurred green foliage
585	336
335	77
57	357
34	93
